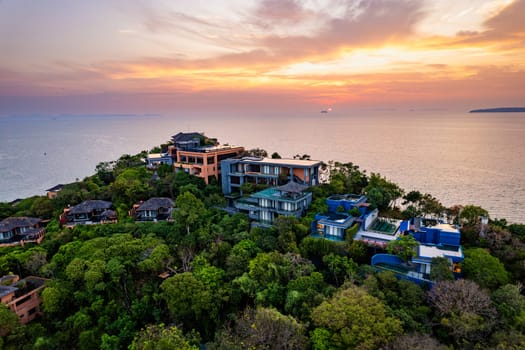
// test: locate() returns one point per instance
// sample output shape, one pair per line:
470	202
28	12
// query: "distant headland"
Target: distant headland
499	110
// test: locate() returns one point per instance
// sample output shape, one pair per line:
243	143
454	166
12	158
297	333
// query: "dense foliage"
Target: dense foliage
209	277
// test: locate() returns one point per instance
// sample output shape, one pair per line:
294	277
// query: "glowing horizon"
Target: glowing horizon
165	55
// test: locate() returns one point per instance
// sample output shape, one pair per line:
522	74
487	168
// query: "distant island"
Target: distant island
499	110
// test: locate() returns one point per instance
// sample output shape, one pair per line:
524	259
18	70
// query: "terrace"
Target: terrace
383	226
379	231
392	263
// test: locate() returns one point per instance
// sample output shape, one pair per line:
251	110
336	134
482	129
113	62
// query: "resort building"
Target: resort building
377	231
266	171
154	160
332	225
436	240
154	209
346	202
89	212
266	205
21	230
350	214
53	191
199	156
22	296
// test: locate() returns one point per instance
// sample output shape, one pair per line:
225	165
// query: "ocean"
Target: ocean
458	157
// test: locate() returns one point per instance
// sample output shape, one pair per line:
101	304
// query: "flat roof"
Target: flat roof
371	235
429	251
447	228
157	155
274	193
384	226
208	149
285	161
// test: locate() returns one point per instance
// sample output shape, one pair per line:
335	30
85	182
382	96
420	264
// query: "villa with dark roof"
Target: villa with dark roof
22	296
89	212
21	230
154	209
53	191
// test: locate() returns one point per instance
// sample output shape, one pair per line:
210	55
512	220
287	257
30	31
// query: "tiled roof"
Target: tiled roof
188	136
90	205
55	188
292	187
108	213
10	223
156	203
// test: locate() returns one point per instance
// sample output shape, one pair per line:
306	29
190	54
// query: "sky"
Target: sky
122	56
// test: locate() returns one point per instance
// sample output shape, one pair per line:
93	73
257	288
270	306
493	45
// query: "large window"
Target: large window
333	231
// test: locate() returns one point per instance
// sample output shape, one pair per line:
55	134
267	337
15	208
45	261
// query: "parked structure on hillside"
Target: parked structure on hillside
22	296
200	156
266	205
436	240
21	230
89	212
266	171
53	191
154	209
353	211
154	160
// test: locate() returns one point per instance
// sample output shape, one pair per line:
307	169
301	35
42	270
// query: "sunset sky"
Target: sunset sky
99	56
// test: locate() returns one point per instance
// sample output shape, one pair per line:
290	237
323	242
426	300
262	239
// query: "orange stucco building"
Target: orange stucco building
22	296
196	155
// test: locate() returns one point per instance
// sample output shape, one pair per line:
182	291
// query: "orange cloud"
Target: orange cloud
364	54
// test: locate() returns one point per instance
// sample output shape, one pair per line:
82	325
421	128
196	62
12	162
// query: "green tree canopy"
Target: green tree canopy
189	211
440	270
470	214
404	247
352	319
187	298
484	268
160	337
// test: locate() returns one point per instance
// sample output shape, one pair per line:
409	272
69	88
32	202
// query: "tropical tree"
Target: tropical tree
484	269
440	269
381	192
161	337
470	214
464	310
188	299
510	304
189	210
404	247
352	319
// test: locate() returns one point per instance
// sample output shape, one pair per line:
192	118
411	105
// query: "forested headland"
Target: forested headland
211	279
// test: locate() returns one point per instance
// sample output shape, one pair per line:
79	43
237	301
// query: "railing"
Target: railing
35	237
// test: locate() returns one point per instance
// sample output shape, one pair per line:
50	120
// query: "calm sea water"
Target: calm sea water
460	158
